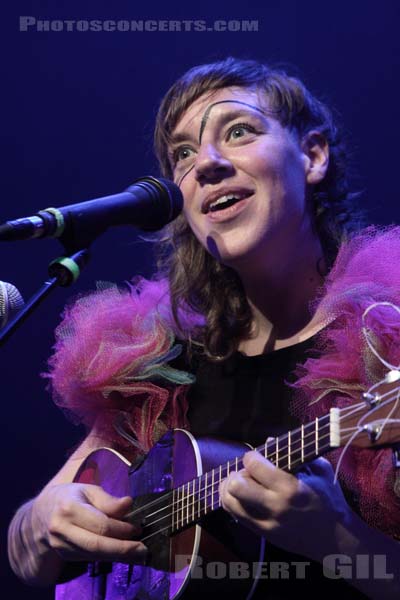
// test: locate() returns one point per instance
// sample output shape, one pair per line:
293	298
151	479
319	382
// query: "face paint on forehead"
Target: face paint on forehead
204	118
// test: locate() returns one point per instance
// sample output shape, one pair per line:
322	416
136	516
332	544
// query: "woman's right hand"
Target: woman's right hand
83	522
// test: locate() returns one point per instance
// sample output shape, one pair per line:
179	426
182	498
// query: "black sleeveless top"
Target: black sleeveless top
247	399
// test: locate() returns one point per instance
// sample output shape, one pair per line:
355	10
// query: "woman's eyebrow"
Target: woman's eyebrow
178	138
183	136
228	116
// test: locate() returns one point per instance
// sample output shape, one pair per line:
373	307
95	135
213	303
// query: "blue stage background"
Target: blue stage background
77	118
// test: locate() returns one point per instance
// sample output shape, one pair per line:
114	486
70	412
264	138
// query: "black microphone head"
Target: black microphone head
10	301
167	197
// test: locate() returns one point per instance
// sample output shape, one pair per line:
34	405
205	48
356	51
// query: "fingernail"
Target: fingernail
145	556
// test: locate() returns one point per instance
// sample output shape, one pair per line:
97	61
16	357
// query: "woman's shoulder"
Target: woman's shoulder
372	253
113	341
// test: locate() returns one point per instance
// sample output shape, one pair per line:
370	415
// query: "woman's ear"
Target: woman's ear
316	151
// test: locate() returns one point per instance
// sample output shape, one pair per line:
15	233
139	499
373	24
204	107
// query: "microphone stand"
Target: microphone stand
63	271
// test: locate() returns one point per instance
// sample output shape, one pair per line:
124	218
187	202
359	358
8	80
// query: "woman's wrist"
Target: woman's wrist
30	557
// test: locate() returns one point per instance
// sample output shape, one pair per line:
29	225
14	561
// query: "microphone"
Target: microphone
148	204
10	301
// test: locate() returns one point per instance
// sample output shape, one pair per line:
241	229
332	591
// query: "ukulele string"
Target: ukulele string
232	465
202	495
368	337
229	466
387	397
352	410
381	423
174	512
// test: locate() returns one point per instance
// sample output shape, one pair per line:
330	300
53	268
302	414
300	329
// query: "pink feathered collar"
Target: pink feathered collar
366	273
112	352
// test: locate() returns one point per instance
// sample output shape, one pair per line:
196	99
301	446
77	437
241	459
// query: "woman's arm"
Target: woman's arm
308	515
70	522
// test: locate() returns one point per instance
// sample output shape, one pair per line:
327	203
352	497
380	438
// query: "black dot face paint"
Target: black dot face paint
205	118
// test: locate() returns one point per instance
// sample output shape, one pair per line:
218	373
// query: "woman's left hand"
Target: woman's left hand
297	513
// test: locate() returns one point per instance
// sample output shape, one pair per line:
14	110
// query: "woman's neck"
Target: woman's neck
281	303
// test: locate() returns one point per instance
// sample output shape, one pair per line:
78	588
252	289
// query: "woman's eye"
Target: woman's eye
182	153
239	130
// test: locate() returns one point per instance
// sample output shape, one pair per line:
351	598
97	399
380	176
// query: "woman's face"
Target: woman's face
243	177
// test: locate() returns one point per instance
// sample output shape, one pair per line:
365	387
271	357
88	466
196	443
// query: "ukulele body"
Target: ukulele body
212	557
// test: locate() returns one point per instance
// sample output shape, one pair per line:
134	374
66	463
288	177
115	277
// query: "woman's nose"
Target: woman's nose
211	163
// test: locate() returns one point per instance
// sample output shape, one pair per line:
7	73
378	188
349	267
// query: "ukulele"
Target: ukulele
195	547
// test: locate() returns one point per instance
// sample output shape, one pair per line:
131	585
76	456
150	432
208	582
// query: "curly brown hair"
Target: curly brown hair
197	281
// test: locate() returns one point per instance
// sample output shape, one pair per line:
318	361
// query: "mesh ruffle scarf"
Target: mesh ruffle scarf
367	271
111	361
112	351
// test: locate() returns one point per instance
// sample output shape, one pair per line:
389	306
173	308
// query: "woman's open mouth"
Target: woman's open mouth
228	206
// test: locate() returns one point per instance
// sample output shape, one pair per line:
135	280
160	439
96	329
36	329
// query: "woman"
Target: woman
266	206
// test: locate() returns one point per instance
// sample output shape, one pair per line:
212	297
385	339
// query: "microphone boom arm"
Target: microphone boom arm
63	272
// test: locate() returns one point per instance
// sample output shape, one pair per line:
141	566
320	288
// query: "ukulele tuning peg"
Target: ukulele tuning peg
373	431
371	399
